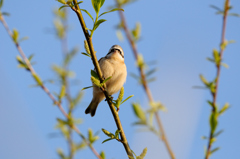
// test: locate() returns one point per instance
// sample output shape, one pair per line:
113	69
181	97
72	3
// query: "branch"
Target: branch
214	94
45	89
124	141
144	81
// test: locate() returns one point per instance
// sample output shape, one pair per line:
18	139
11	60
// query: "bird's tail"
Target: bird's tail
92	107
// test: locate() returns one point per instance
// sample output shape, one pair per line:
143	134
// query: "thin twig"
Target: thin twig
46	89
77	10
226	8
144	82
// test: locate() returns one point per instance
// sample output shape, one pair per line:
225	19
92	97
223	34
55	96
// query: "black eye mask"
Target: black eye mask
112	50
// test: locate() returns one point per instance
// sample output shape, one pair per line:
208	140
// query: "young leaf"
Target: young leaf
70	56
62	1
217	133
117	134
94	74
107	140
151	72
224	108
96	5
214	150
108	133
63	6
106	79
86	47
86	88
62	92
139	112
96	25
15	35
37	79
127	98
101	3
120	97
204	80
96	81
102	154
143	154
86	54
213	121
88	14
1	3
115	9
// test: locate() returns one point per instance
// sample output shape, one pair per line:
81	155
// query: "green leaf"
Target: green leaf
139	112
127	98
102	154
217	133
115	9
120	97
87	87
136	32
91	137
101	3
96	81
107	140
62	1
151	72
84	10
62	92
15	35
234	14
224	44
94	74
156	106
96	5
96	25
106	79
224	108
78	97
60	153
216	56
87	47
37	79
140	61
70	56
86	54
63	6
215	7
108	133
1	3
204	80
225	65
5	13
30	57
214	150
143	154
117	134
213	121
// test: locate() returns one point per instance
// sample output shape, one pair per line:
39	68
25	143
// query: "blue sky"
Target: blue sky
178	34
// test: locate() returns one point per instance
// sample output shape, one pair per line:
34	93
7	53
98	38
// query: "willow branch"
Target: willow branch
144	82
214	95
45	89
124	141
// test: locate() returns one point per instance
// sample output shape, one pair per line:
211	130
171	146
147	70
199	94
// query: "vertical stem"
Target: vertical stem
98	70
226	8
144	82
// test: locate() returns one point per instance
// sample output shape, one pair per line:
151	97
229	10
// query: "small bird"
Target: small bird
112	65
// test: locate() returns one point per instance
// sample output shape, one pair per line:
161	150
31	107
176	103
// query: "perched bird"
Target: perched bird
111	65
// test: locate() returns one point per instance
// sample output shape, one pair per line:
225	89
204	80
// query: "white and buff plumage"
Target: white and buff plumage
111	65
